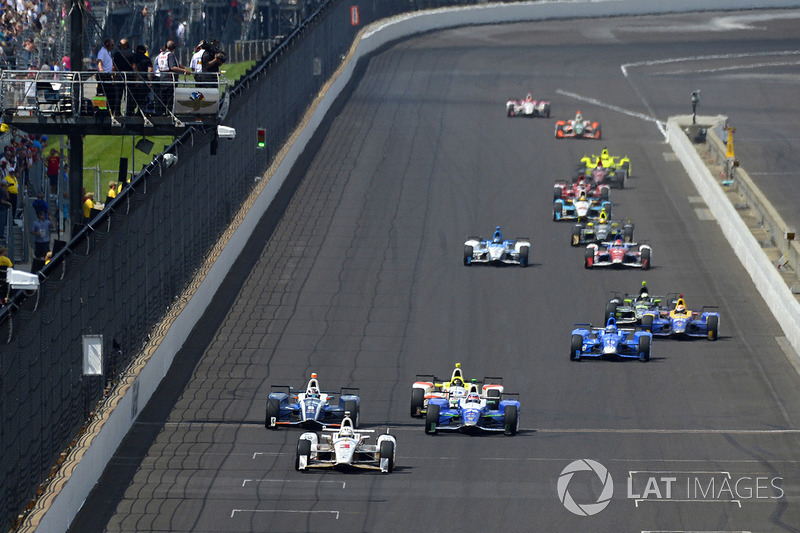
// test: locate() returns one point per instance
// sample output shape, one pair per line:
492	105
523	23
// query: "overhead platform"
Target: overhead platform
77	103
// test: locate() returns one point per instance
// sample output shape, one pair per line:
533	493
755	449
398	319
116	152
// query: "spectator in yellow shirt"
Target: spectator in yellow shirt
88	205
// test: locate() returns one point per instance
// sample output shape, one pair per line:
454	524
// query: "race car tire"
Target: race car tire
558	193
713	328
644	349
598	134
523	256
557	212
510	112
588	258
352	407
273	411
624	179
604	193
493	398
576	234
611	311
417	402
431	419
575	348
387	450
646	259
303	449
627	233
547	111
627	166
510	420
647	322
467	255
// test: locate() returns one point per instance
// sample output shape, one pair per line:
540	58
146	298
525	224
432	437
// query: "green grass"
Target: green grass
103	152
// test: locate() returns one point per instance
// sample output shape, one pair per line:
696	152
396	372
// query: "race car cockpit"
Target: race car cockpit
498	237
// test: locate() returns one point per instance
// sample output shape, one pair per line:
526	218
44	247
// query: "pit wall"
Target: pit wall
55	510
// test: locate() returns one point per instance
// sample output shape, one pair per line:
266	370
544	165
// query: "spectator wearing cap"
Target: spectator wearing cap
105	65
88	205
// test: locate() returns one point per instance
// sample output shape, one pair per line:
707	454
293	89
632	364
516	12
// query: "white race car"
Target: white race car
528	107
496	250
344	447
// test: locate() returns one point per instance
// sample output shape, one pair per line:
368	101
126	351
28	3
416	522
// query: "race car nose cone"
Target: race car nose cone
344	451
471	417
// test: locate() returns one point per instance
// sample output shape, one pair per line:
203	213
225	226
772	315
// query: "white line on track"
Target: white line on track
233	512
315	481
654	62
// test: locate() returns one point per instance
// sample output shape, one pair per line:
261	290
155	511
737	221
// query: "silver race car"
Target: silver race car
497	250
345	448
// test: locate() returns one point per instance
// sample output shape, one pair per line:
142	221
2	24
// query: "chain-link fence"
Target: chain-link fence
119	276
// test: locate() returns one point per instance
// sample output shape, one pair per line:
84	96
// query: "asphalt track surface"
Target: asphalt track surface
357	276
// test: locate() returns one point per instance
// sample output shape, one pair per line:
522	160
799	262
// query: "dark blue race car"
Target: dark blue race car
610	342
311	408
485	408
683	322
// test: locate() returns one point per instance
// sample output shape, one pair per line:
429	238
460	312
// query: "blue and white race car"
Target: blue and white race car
497	250
485	408
580	208
311	407
610	342
682	322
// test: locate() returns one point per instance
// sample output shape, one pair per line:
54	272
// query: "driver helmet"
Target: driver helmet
457	383
611	328
346	431
578	116
473	398
529	97
498	237
680	308
313	392
582	195
603	217
644	294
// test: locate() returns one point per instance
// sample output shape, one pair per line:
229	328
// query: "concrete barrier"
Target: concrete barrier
57	507
764	274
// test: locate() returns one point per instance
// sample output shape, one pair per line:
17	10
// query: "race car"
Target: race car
610	342
484	408
577	127
310	407
581	208
592	189
346	448
428	386
610	177
639	308
606	160
681	322
601	230
497	250
618	254
528	107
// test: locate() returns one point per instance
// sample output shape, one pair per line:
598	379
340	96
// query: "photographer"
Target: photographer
210	61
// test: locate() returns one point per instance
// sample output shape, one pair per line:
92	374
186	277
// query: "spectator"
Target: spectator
211	60
5	264
13	190
53	165
41	230
105	65
124	63
48	256
196	63
167	70
40	204
144	66
112	191
88	205
5	205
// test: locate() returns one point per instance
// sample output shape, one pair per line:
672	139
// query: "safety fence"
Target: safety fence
119	275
